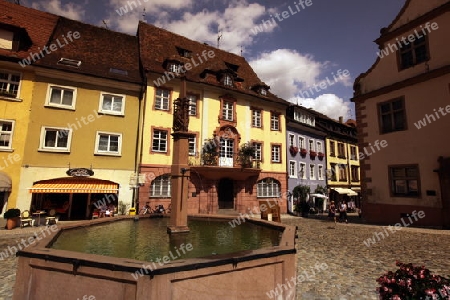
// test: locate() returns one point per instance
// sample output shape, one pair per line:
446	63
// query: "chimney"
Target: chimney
341	119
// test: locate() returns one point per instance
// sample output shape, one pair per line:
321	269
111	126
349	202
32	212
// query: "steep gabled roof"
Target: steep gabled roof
159	46
31	24
101	52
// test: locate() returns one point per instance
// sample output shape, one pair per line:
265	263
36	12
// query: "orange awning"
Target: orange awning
75	185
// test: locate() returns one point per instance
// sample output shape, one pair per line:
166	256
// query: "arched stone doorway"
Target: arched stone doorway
226	193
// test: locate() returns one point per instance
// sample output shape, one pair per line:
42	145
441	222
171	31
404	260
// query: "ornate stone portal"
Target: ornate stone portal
180	169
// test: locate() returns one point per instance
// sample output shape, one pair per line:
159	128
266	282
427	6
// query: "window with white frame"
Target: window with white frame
227	110
274	121
60	96
293	169
311	145
162	99
320	172
159	142
302	170
291	140
112	104
312	171
6	134
108	143
319	147
276	153
353	155
301	142
9	84
192	105
161	186
268	188
192	145
175	68
256	118
258	151
56	139
227	81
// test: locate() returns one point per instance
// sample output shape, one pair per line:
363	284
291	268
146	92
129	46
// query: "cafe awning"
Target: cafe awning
5	182
319	196
344	191
72	185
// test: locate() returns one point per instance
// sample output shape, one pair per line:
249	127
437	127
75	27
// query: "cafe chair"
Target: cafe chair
51	219
26	219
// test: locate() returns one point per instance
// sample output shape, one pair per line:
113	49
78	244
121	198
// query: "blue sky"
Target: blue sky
293	53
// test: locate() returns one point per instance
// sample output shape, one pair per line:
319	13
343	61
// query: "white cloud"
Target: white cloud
234	23
70	10
124	15
286	71
327	104
292	75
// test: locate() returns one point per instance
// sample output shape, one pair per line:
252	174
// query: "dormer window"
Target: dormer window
118	71
184	53
6	39
227	81
232	67
263	92
174	68
69	62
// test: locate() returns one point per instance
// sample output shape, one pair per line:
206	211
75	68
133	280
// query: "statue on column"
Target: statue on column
181	115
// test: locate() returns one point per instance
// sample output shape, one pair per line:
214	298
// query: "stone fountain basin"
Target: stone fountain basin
46	273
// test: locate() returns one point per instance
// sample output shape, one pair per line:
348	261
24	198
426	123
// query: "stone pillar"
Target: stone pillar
179	183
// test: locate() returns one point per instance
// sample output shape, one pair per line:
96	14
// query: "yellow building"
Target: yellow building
16	90
229	107
81	148
342	156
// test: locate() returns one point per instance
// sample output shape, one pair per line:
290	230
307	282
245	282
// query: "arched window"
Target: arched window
268	188
161	186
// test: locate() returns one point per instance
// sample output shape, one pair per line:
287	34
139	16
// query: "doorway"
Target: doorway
79	204
226	194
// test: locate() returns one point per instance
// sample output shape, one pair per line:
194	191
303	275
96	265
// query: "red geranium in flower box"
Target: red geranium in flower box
293	150
313	153
303	151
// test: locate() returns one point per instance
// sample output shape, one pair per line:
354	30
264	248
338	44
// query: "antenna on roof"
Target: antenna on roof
106	25
241	50
219	36
143	16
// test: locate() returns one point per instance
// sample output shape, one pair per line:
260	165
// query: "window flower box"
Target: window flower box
321	155
313	153
303	152
293	150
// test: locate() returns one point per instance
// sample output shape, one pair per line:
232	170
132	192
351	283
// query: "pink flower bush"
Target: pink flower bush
413	283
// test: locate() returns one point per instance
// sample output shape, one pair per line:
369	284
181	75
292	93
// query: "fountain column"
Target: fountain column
180	168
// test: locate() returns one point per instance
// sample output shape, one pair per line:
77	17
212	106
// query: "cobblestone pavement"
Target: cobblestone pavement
352	266
8	264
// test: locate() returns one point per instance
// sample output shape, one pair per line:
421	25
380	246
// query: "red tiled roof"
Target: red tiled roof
98	49
158	45
38	25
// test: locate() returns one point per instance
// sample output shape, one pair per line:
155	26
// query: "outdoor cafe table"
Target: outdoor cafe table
39	213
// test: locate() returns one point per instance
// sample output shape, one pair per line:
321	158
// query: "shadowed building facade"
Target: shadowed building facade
404	99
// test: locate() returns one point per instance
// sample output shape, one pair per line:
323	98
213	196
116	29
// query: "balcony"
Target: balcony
234	166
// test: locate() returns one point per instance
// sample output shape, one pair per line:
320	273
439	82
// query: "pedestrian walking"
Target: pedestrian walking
343	212
332	213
